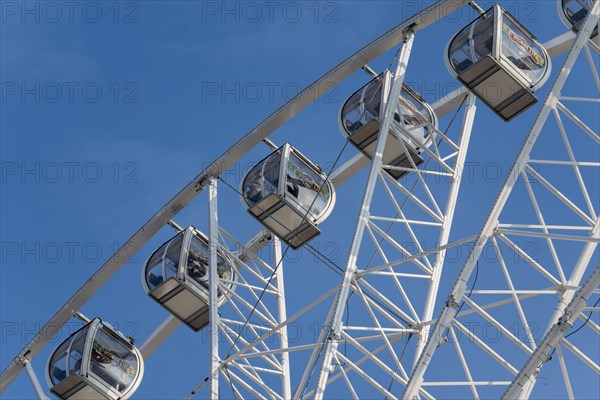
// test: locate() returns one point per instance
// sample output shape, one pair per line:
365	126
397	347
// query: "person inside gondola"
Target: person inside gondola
197	266
254	191
293	186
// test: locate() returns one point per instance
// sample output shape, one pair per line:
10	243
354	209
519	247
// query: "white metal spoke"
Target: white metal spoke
414	257
346	379
498	325
559	195
592	65
436	216
278	328
541	220
464	364
407	223
448	313
579	123
246	386
581	355
225	375
393	374
366	377
580	181
520	252
384	301
400	248
565	373
548	236
514	293
381	332
361	361
231	337
553	338
485	347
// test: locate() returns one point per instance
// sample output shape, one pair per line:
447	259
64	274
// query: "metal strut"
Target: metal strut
286	386
552	339
213	288
390	104
33	379
458	291
465	136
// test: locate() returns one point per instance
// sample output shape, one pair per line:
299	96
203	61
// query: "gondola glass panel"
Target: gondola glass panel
96	362
500	61
289	195
573	14
182	287
361	116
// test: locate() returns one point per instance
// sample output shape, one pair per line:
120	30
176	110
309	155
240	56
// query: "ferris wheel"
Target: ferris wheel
401	321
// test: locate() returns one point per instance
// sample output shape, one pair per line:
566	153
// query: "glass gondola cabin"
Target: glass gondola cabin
500	61
573	13
176	276
96	362
289	195
361	116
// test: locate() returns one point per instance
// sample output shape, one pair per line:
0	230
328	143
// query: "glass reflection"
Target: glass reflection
476	41
412	115
66	359
113	362
262	180
576	10
522	51
472	43
363	106
198	264
306	187
164	262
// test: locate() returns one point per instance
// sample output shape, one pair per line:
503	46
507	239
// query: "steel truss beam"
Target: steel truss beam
355	281
520	168
319	87
213	283
553	338
249	310
389	103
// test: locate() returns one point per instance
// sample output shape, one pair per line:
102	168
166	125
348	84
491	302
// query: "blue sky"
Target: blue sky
109	108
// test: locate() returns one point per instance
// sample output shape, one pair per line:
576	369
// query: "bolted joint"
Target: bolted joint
79	315
443	341
451	302
205	181
565	320
23	359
